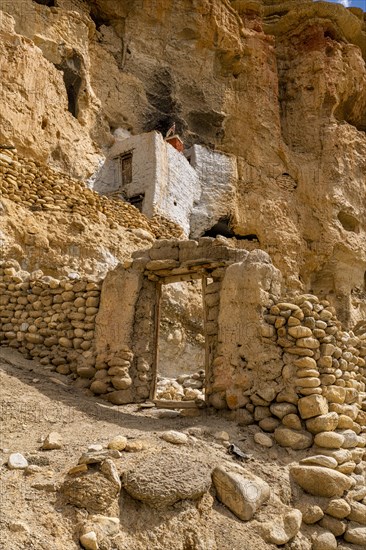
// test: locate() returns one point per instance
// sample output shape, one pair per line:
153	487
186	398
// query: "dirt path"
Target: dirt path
35	402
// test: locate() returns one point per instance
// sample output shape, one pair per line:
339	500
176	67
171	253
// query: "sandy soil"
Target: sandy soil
35	402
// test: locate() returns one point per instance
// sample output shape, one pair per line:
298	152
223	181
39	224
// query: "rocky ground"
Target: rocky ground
77	449
33	514
186	387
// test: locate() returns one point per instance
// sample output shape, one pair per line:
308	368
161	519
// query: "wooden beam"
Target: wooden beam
156	341
162	404
207	347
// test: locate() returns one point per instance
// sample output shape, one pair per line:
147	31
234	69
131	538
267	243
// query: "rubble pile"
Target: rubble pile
186	387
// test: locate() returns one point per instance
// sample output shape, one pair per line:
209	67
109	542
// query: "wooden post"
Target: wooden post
156	341
207	350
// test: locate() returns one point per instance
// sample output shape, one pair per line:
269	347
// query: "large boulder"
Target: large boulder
240	491
320	481
165	478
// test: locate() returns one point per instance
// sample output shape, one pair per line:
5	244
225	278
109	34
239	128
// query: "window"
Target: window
126	168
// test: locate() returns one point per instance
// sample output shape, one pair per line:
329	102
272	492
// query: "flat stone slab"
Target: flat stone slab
320	460
167	477
177	438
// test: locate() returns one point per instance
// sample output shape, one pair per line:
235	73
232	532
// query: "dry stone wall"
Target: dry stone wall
49	319
324	376
286	365
307	383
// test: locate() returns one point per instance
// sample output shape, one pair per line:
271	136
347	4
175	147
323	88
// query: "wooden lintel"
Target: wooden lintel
178	278
162	404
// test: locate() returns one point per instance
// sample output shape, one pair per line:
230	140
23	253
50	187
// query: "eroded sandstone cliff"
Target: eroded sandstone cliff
282	86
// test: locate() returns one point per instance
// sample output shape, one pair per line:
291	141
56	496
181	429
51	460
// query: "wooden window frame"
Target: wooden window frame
126	175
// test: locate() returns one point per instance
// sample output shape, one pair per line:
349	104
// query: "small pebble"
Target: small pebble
89	541
52	442
222	436
119	443
95	448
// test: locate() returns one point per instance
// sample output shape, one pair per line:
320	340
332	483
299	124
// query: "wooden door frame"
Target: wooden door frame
155	364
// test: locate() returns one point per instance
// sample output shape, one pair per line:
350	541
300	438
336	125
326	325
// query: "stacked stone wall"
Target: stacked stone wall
288	366
49	319
324	377
321	410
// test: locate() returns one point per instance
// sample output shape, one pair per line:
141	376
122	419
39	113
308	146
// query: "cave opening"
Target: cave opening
49	3
99	20
71	69
329	33
223	228
137	201
164	110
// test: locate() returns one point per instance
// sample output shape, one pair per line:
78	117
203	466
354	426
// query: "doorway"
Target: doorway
181	344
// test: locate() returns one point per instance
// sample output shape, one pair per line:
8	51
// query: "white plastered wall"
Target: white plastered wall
144	149
164	175
218	175
177	188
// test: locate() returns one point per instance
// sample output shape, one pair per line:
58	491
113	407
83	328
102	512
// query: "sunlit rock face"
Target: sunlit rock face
279	86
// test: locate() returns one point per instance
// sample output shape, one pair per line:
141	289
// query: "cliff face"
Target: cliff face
282	86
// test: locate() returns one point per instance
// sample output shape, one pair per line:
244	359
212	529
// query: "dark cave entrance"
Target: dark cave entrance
137	201
49	3
71	69
223	228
